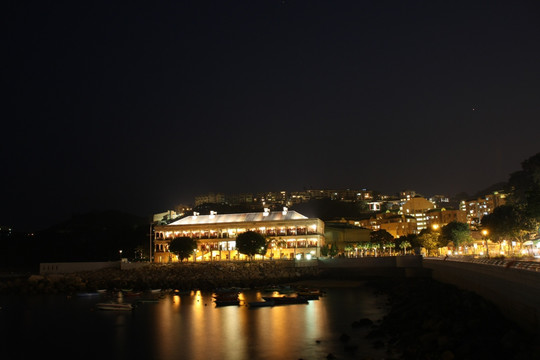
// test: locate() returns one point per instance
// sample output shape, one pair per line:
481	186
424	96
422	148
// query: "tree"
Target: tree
526	181
456	232
374	247
348	249
329	250
403	245
382	238
509	222
524	188
429	240
251	243
182	247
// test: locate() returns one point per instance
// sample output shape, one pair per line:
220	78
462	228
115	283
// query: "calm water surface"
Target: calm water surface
186	327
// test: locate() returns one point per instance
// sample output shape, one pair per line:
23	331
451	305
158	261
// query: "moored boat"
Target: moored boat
87	294
146	301
261	303
114	306
285	300
308	295
226	298
231	302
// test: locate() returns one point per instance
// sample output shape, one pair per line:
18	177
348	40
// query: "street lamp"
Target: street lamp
484	236
150	244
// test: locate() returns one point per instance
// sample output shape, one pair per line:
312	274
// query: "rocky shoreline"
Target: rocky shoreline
183	276
431	320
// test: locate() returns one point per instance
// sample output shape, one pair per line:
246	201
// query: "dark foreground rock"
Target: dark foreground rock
431	320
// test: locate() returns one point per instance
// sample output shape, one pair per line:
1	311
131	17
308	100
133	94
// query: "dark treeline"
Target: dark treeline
97	236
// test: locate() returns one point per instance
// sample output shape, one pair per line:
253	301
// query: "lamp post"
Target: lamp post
150	244
484	236
435	228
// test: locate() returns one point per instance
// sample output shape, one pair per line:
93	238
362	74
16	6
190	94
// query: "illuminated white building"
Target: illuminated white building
290	234
418	208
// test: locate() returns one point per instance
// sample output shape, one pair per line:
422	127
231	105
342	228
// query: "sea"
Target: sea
189	325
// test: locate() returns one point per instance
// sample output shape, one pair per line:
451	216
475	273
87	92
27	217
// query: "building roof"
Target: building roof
241	217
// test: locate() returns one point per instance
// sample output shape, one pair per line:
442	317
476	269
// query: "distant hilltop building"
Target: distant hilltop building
394	223
169	215
477	208
292	235
284	198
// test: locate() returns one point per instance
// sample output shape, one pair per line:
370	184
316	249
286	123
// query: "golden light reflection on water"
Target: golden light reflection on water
192	327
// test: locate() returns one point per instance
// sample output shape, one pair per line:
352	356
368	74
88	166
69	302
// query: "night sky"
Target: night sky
138	107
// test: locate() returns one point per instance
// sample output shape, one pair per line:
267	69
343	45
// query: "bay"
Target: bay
189	326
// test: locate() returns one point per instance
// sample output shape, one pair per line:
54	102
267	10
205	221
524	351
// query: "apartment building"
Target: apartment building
477	208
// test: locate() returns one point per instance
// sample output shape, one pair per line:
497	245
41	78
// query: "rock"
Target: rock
447	355
510	340
362	322
350	347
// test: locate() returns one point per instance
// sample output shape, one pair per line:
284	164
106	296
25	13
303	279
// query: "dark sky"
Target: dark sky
137	107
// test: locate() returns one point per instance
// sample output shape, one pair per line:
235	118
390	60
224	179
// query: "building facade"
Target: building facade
478	208
418	207
437	218
395	224
344	236
290	235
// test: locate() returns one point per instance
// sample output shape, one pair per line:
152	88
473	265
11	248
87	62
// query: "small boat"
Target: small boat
309	295
155	291
226	296
310	291
287	290
261	303
133	293
87	294
181	292
114	306
147	301
227	302
286	300
272	289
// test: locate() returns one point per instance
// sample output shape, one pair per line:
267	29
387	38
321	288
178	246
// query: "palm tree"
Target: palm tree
390	245
404	245
375	246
